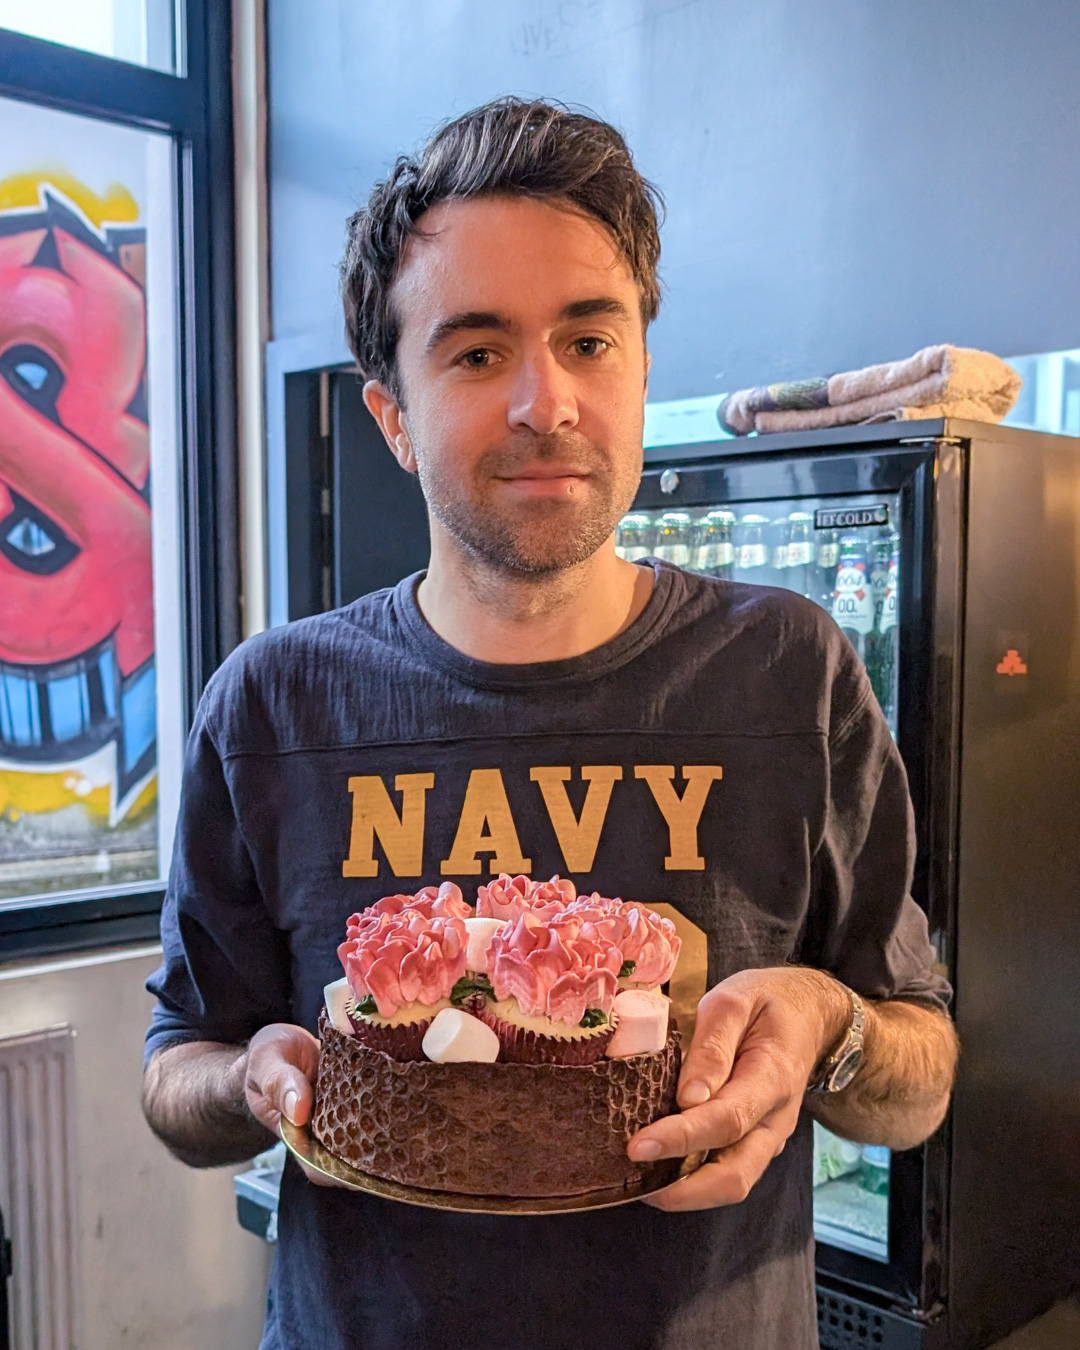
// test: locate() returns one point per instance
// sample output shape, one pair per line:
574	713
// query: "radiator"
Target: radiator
37	1186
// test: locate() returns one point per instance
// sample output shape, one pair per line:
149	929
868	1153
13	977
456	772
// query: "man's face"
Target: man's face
522	366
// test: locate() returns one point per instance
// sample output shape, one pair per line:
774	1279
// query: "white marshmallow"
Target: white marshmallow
480	931
456	1037
336	996
641	1020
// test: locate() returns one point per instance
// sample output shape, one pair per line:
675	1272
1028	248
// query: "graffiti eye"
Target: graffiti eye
35	376
33	542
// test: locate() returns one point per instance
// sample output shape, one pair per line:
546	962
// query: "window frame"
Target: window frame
195	108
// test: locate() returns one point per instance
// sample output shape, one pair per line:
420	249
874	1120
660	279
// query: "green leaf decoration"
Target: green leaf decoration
627	968
593	1018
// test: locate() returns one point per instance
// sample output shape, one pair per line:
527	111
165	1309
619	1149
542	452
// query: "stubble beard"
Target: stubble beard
538	538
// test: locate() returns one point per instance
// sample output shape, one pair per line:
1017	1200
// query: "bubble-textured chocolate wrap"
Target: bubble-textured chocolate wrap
489	1129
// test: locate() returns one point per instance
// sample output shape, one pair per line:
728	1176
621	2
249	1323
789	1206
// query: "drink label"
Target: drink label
879	582
751	555
853	602
718	555
800	553
890	600
847	517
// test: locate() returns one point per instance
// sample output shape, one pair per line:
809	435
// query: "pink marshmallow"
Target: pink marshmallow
641	1024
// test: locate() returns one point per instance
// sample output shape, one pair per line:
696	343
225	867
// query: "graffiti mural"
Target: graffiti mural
77	681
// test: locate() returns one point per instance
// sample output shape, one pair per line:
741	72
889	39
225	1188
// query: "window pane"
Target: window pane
90	657
142	32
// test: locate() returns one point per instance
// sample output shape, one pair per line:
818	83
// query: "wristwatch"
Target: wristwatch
843	1064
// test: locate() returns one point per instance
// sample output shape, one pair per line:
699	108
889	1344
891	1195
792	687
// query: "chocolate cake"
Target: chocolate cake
498	1129
510	1053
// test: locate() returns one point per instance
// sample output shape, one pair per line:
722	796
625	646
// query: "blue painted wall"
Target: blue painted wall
847	180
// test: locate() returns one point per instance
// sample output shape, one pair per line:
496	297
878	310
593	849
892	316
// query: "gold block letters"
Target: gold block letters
578	839
485	826
402	837
681	813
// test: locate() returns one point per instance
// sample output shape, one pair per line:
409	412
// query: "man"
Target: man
497	293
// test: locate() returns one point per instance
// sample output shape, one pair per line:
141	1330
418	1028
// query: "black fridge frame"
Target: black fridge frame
195	108
929	474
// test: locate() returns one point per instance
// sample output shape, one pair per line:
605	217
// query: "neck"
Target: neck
494	616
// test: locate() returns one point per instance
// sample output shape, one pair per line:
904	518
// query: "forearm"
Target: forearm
901	1094
193	1098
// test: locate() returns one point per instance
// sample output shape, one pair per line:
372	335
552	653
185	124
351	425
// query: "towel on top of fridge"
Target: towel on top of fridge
943	381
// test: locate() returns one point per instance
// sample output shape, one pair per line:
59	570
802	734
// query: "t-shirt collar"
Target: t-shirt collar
645	629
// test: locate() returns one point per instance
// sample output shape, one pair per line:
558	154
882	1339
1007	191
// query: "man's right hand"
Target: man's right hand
282	1065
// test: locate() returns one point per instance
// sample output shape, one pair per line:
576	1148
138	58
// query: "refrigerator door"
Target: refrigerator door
841	552
872	537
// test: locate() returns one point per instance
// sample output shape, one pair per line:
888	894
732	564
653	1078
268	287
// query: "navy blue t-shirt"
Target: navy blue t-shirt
724	754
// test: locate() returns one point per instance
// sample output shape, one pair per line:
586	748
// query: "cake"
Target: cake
508	1052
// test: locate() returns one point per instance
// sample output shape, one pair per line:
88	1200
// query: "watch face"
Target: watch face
846	1070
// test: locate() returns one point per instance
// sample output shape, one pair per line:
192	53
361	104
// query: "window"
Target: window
143	32
117	542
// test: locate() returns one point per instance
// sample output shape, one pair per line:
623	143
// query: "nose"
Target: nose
542	397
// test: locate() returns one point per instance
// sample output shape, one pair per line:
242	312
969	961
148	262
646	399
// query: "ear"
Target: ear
384	407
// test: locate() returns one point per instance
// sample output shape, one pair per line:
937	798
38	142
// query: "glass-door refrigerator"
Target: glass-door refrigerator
948	553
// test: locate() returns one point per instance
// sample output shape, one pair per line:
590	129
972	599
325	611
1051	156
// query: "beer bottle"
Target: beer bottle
633	536
715	551
888	637
674	538
853	604
828	555
800	554
751	551
879	573
779	534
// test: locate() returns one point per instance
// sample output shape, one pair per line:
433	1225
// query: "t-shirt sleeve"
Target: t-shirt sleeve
864	926
225	969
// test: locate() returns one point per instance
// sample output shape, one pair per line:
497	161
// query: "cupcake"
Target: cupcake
554	980
509	897
401	969
648	942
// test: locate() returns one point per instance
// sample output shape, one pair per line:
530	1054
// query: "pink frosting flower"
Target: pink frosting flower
642	935
404	958
509	897
443	901
555	967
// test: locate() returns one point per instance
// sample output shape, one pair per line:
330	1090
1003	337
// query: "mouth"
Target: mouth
545	480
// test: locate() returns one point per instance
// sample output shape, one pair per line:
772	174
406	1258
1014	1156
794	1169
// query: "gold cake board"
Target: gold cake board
303	1145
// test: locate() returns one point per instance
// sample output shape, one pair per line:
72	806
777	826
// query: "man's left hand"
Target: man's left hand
759	1036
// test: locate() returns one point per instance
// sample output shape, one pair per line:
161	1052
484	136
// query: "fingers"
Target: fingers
723	1016
316	1178
754	1092
726	1179
282	1064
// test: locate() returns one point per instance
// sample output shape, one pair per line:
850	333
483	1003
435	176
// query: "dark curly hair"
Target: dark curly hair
510	147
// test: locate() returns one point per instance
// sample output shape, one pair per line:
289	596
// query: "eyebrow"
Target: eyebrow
489	320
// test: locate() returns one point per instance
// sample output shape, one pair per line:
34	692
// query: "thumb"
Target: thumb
293	1096
722	1020
282	1062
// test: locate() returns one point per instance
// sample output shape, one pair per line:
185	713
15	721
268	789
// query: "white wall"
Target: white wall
163	1263
846	181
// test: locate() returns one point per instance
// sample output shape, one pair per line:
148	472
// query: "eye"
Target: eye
477	359
35	376
590	346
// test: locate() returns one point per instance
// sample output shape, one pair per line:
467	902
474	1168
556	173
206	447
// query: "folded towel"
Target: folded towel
942	381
